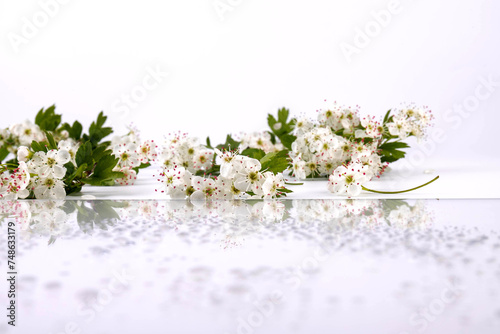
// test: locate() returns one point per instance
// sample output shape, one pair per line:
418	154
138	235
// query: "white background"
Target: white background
228	69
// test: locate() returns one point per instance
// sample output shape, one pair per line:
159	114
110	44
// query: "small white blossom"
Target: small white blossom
23	153
147	151
127	153
129	176
272	184
27	132
71	147
50	163
14	185
49	187
347	180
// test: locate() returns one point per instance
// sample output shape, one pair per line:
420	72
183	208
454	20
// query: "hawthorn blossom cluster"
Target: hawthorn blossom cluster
350	214
14	185
349	178
20	134
410	120
319	150
347	147
259	140
180	150
39	174
344	212
405	216
239	175
132	154
24	133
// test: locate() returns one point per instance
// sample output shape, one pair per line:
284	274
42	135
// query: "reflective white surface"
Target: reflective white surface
301	266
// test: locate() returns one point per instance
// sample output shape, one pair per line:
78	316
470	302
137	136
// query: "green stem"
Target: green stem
402	191
294	184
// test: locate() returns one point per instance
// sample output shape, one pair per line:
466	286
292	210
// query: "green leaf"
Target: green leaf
142	166
84	154
100	151
386	117
74	131
393	145
230	144
287	141
282	128
96	130
283	115
275	162
51	142
209	145
3	153
47	119
273	137
104	167
70	169
255	153
214	171
391	152
271	121
38	147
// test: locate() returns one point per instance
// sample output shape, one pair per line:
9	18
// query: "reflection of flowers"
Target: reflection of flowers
50	223
409	216
234	219
396	213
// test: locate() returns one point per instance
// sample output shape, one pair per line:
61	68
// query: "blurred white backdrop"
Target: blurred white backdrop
211	67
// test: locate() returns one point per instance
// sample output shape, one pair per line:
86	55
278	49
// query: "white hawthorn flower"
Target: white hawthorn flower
26	132
147	151
167	159
204	187
249	177
299	167
49	187
23	153
272	184
399	128
71	147
302	126
349	119
327	165
50	163
373	129
361	149
331	117
203	159
14	186
227	168
178	182
374	165
259	140
127	153
348	179
312	165
129	176
226	188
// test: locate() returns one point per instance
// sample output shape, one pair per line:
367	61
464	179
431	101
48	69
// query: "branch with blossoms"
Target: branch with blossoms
51	159
340	145
228	171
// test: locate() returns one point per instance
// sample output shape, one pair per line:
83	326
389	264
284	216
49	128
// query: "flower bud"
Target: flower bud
23	153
